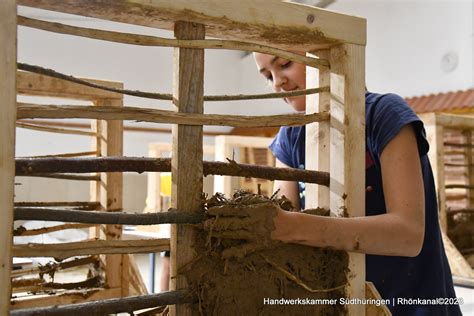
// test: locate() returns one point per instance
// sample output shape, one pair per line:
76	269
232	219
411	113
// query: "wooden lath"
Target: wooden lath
274	23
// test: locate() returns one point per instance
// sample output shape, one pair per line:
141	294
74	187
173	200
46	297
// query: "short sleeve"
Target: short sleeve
281	146
388	116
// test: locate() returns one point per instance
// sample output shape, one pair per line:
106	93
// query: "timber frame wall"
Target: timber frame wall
451	155
334	43
122	277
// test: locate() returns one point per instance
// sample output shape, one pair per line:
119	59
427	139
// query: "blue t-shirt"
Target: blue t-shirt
426	276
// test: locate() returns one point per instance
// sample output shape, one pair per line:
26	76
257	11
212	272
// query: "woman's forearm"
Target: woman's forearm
385	234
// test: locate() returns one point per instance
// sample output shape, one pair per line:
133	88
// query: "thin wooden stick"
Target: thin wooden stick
75	205
21	231
299	281
111	306
115	218
146	40
120	164
52	267
66	155
161	116
456	165
65	176
54	130
165	96
91	247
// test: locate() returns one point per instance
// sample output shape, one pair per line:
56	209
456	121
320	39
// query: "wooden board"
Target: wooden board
40	85
273	22
347	152
186	161
371	309
7	144
458	264
317	135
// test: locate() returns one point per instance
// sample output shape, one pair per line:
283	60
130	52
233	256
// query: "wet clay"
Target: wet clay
239	285
461	233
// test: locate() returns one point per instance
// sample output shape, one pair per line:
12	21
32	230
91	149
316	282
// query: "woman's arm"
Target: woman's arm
287	188
399	232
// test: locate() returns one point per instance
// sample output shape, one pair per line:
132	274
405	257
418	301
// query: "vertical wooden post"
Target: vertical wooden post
317	135
186	162
222	184
347	150
468	151
109	191
435	135
8	30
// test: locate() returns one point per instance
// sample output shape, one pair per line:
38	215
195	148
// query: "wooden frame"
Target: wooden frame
435	126
280	25
122	276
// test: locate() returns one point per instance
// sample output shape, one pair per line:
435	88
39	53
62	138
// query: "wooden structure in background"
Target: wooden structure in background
225	148
122	277
451	157
281	25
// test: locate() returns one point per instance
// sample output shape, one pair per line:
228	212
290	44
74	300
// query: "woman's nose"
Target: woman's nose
279	82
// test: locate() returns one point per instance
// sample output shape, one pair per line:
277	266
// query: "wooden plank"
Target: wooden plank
317	135
8	41
70	297
39	85
270	22
435	136
186	161
347	152
26	110
110	191
455	121
91	247
458	264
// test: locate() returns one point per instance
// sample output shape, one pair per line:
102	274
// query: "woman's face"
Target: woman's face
284	75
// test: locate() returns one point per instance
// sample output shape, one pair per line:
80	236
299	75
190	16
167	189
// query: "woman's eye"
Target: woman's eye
287	64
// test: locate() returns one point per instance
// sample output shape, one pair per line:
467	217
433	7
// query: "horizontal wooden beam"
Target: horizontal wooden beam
455	121
53	267
75	177
22	231
31	166
274	23
25	110
116	218
111	306
90	247
55	130
164	96
29	83
147	40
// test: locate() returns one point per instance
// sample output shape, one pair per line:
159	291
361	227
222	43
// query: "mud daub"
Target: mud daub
240	286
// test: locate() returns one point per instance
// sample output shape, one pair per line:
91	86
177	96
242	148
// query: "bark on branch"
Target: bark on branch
31	166
114	218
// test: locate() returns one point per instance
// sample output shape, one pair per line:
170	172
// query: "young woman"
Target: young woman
400	233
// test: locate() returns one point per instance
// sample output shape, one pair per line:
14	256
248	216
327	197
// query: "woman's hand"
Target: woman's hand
260	225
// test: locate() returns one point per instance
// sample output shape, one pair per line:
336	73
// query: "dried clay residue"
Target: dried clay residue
239	286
